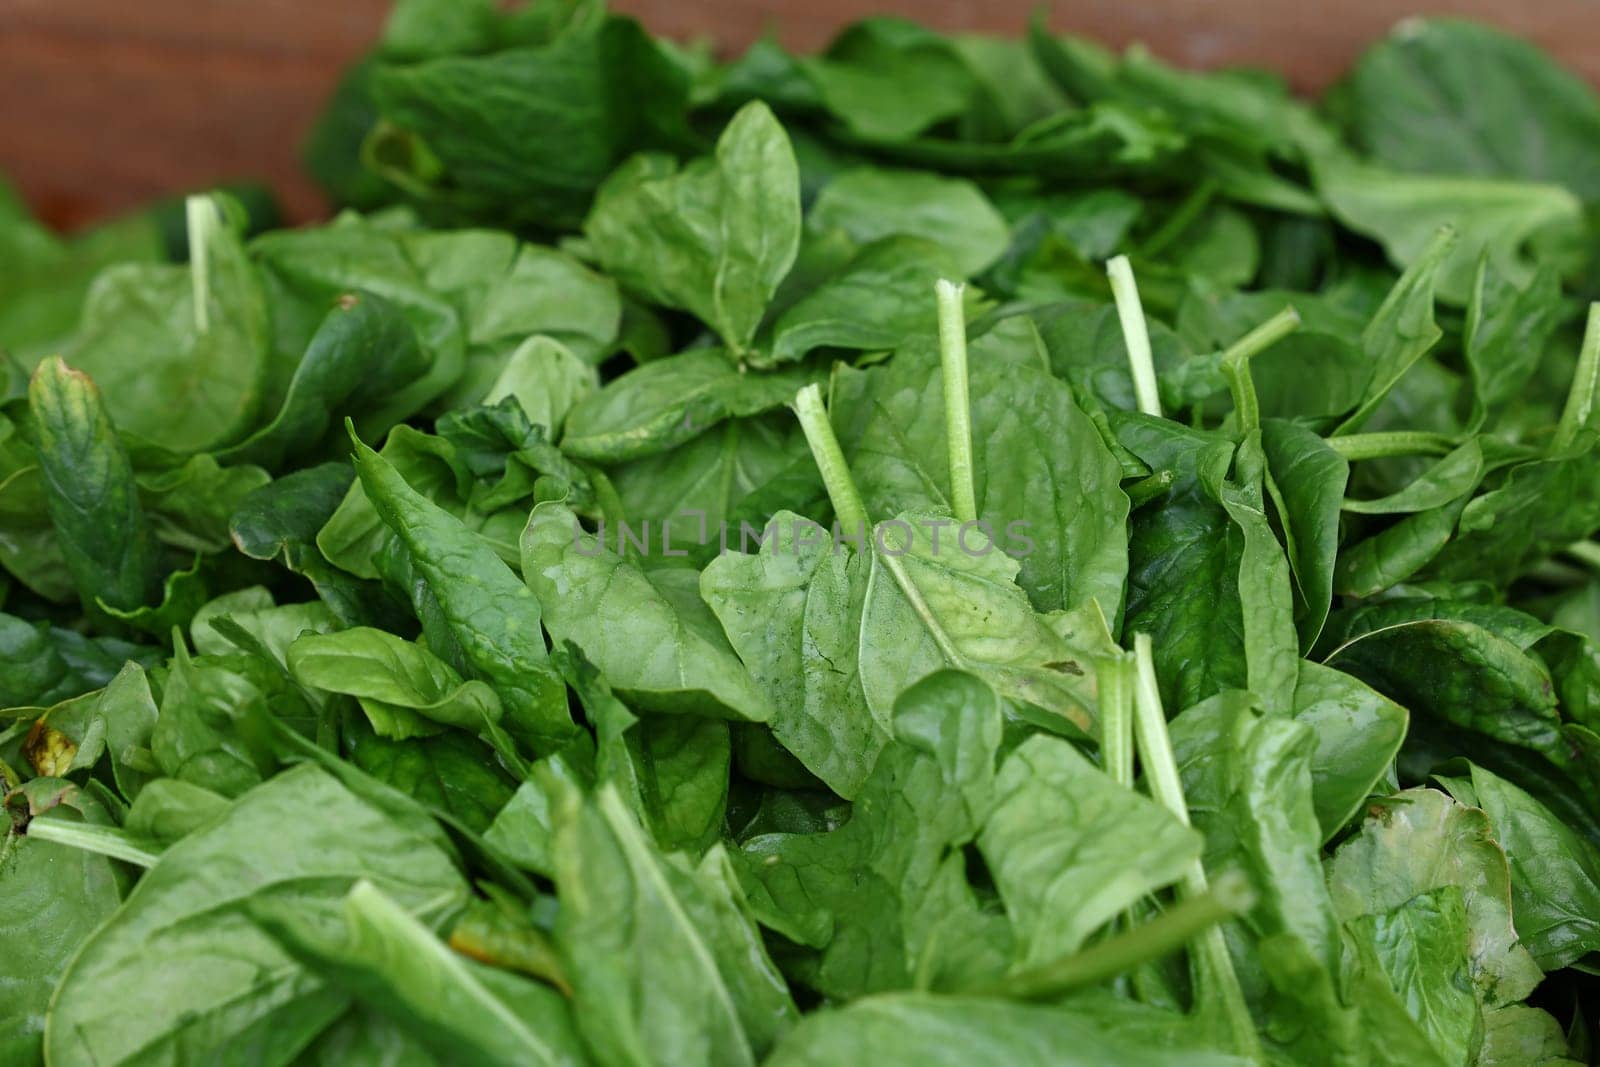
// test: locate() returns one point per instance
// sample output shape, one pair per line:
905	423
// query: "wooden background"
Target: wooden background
105	104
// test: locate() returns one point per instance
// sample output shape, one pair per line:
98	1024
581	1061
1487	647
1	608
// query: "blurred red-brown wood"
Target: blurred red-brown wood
105	104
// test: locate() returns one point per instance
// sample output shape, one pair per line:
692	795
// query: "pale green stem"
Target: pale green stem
200	216
1358	446
1150	732
101	840
1210	950
1581	398
1114	676
1135	334
1164	934
1184	216
1236	366
847	505
957	404
1585	552
1149	487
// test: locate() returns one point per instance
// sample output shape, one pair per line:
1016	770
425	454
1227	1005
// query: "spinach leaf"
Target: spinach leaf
491	618
793	613
180	354
526	131
55	896
943	1030
103	535
713	997
217	982
1446	96
391	961
872	203
1555	873
612	609
714	239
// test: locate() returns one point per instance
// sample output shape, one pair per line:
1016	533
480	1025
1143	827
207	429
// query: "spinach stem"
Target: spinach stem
1114	676
1135	334
957	403
101	840
1236	366
1580	400
1359	446
1150	730
847	505
1166	933
1182	217
1585	552
1149	487
1210	952
200	218
1264	336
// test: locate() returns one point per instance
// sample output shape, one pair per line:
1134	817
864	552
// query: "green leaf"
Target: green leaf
41	665
1247	778
1271	646
271	627
170	809
492	617
1420	947
1306	481
1541	506
870	204
664	962
1403	328
889	79
671	770
1460	673
943	1031
361	353
1421	841
1555	872
198	736
878	298
180	353
793	613
694	497
1508	329
52	897
405	690
886	896
1183	569
714	239
451	775
665	403
1497	219
547	379
288	511
527	132
1448	96
1358	733
1452	477
1396	552
89	491
46	278
614	610
182	970
190	505
1045	482
1058	844
389	960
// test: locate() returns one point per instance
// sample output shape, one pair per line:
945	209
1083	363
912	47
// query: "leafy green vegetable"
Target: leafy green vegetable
715	238
190	905
946	549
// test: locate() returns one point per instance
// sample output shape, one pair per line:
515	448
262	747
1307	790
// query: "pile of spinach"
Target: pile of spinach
948	550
